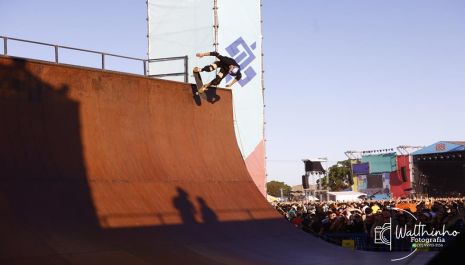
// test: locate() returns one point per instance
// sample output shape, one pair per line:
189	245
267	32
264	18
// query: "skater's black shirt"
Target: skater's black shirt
224	63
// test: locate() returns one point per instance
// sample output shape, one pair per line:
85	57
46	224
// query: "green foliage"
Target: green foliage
273	188
338	176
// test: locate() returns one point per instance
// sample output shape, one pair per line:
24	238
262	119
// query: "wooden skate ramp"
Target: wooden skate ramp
109	168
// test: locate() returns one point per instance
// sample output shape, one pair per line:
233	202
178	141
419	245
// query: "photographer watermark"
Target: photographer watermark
418	235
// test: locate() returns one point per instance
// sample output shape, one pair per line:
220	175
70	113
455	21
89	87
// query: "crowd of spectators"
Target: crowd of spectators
335	221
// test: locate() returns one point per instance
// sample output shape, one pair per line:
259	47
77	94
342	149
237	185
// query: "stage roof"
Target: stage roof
442	147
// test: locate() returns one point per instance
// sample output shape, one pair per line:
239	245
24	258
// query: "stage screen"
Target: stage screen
381	163
374	181
360	169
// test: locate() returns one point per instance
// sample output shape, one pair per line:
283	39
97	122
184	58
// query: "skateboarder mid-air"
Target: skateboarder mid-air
226	65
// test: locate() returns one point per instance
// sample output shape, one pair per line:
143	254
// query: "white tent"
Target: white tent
311	198
345	195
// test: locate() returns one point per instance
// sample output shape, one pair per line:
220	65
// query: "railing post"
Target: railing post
145	67
103	61
186	69
5	45
56	53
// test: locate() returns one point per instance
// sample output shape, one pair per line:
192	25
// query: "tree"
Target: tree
273	188
338	176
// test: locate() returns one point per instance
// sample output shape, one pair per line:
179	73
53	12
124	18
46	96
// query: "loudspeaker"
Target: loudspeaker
311	166
403	173
308	166
305	182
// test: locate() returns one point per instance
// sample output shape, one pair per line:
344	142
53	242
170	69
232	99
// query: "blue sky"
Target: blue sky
339	75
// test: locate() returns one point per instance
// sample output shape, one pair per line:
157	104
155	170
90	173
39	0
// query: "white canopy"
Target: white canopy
312	198
345	195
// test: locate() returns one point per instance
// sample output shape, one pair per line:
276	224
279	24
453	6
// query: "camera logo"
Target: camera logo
383	234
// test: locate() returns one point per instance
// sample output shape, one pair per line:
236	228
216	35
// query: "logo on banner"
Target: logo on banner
240	51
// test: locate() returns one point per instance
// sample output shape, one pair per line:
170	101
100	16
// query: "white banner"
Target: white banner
240	38
179	28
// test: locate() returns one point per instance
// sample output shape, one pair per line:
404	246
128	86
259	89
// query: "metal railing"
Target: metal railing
103	56
186	67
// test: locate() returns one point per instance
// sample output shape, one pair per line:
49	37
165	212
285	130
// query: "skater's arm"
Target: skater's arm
202	54
237	78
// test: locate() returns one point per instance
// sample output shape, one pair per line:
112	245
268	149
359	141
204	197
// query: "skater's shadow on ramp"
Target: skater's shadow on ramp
210	95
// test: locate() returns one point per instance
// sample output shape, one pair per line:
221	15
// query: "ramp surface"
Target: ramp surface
109	168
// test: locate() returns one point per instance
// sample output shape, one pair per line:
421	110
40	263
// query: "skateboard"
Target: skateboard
199	83
209	95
